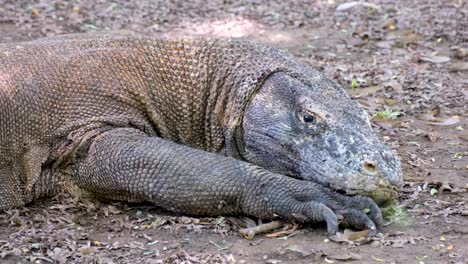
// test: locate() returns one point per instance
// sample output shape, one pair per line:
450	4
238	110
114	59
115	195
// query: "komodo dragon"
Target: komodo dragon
197	126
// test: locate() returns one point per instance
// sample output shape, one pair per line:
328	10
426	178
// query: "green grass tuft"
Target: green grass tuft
388	114
397	215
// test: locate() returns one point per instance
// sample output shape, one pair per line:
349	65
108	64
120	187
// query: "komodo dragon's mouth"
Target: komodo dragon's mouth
381	192
382	196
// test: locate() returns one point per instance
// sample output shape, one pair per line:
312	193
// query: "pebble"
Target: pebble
376	244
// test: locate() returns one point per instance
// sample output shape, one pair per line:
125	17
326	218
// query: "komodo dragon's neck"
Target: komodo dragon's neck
199	88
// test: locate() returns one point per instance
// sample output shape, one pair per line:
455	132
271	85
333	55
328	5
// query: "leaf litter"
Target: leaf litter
379	46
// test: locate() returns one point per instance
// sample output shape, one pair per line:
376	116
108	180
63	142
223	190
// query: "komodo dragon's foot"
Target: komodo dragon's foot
305	201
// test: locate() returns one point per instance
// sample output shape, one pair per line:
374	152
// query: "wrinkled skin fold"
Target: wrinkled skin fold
196	126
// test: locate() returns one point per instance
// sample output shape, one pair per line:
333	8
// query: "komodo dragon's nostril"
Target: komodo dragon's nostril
369	167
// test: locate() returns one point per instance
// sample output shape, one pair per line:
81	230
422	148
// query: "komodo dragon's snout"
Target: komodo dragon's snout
316	133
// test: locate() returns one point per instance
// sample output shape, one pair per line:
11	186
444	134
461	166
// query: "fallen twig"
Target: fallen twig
249	233
219	247
283	232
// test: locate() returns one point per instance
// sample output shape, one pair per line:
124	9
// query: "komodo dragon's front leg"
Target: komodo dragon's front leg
126	164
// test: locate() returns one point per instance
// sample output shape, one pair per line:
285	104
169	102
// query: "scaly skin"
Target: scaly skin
182	123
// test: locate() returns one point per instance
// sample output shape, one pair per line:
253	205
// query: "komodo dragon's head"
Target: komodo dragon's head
315	132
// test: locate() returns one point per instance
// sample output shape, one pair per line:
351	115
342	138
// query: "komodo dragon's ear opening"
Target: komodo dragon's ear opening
234	131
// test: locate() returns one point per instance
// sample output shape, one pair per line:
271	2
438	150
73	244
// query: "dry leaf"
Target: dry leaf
395	85
364	103
35	11
355	235
387	124
464	136
349	236
338	237
405	124
436	111
87	250
390	24
434	58
461	52
363	92
430	115
349	5
385	44
270	261
385	101
458	66
357	42
448	121
445	186
434	117
411	37
433	137
347	256
301	249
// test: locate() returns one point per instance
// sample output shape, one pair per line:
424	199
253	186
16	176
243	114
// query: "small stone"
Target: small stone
398	244
273	261
376	244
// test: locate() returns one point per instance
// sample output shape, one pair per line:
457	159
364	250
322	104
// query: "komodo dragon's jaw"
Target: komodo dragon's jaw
315	132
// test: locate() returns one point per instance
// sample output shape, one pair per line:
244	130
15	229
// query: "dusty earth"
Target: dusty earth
407	63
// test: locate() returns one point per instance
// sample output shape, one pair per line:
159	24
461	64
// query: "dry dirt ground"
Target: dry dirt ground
405	61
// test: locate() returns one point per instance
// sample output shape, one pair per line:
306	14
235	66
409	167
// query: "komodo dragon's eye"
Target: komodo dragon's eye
309	119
